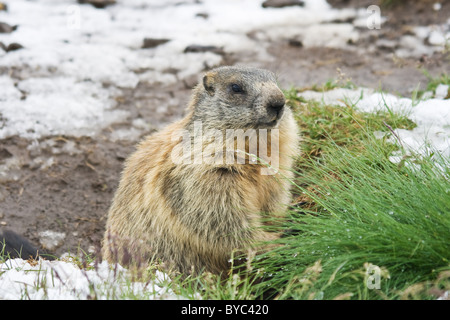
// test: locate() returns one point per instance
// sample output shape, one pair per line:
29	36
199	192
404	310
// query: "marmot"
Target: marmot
192	213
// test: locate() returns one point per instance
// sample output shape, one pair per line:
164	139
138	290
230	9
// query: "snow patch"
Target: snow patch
76	57
57	106
63	280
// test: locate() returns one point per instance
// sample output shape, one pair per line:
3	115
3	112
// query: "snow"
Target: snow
442	91
71	50
56	106
76	59
63	280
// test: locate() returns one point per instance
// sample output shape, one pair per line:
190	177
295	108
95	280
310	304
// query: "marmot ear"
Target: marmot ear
208	83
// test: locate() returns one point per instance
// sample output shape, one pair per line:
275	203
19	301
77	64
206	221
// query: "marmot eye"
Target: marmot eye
236	88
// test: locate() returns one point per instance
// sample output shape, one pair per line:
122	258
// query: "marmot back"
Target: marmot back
196	191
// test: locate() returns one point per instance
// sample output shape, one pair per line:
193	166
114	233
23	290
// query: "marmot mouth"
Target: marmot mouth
268	125
273	122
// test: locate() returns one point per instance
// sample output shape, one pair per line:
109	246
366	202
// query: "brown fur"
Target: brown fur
193	216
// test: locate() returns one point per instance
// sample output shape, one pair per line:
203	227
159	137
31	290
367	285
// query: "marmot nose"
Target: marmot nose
276	105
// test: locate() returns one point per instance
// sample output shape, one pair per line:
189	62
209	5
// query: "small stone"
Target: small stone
203	15
99	4
13	46
152	43
6	28
282	3
95	158
295	43
199	48
5	154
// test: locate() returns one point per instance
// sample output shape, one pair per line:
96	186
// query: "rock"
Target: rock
203	15
13	47
282	3
99	4
121	155
6	28
5	154
295	43
95	158
3	7
199	48
152	43
386	44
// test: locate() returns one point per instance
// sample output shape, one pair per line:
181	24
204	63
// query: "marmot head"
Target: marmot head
238	98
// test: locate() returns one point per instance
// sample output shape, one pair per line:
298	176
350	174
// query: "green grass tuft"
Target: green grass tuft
365	211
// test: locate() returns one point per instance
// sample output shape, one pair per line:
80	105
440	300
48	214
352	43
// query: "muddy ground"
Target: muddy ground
66	185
